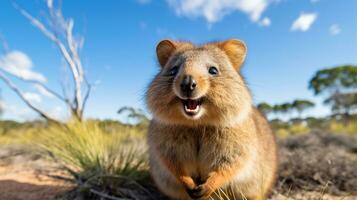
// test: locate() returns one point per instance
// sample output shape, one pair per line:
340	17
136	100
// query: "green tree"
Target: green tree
343	103
301	105
334	80
284	108
265	108
340	86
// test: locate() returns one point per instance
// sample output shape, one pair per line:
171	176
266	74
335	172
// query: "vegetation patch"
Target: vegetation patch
321	162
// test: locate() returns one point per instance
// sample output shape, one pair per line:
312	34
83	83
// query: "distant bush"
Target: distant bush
14	127
301	126
284	129
342	127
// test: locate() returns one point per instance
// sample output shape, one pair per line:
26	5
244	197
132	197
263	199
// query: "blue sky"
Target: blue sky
121	36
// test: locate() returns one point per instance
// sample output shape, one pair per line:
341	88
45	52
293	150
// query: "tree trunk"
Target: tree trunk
346	118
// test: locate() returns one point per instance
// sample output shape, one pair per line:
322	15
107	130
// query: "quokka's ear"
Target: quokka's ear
164	50
235	50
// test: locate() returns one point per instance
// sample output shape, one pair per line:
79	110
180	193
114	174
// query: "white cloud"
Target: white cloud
215	10
335	29
19	64
265	22
23	113
57	112
33	97
2	104
304	22
43	91
14	111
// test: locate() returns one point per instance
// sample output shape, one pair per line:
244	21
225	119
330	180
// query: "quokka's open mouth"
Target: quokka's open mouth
192	106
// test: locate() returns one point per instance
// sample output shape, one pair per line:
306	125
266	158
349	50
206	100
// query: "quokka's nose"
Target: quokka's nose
188	85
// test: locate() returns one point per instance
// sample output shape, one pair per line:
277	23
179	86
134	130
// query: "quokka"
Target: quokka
206	137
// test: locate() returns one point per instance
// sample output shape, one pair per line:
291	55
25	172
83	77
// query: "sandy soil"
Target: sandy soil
24	176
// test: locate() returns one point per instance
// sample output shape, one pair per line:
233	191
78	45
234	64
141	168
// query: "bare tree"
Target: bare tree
59	30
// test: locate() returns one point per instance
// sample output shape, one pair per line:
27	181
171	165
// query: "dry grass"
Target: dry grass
101	163
110	162
98	156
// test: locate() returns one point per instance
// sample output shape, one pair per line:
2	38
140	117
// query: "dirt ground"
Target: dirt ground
317	166
24	176
312	166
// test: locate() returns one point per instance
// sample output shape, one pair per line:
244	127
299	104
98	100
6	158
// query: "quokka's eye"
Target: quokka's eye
173	71
213	70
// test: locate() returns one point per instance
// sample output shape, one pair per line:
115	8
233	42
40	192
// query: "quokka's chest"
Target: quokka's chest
202	152
199	151
198	145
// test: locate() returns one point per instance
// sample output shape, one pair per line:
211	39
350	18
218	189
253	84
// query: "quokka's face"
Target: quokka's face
199	85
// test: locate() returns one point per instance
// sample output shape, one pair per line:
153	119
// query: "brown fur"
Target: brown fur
229	146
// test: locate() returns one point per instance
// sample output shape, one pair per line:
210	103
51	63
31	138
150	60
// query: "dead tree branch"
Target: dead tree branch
21	95
59	30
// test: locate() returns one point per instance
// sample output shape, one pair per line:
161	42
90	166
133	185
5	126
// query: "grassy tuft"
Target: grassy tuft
101	162
86	148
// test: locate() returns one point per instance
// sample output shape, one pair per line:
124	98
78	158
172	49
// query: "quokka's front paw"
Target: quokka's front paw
200	192
188	182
